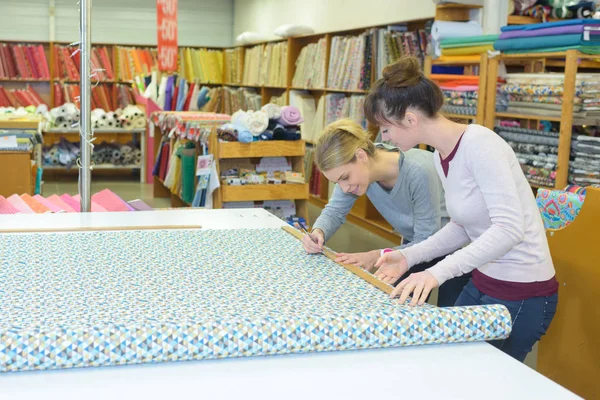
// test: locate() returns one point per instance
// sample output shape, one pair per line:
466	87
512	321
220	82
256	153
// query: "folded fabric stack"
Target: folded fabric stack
580	34
467	46
271	122
536	151
455	39
584	169
541	94
339	106
102	201
460	93
227	100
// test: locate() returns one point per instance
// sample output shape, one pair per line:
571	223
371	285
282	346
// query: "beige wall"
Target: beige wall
264	16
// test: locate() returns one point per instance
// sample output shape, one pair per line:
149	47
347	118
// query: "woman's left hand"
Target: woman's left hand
364	260
419	284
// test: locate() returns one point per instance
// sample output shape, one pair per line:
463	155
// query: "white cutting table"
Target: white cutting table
452	371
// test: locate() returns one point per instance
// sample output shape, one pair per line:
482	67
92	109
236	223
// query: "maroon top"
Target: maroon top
504	290
446	162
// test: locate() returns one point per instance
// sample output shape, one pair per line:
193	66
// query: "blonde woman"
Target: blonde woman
403	186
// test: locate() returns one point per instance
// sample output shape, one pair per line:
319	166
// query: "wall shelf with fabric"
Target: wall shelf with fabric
568	92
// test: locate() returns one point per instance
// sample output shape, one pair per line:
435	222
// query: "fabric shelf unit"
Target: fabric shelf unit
210	294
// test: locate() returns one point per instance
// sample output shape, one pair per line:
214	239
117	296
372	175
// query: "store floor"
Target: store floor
348	238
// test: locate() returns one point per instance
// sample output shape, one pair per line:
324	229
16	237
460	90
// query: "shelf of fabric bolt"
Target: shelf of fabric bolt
262	299
118	136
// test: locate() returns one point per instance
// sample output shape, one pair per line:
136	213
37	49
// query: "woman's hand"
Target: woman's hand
308	241
392	266
419	284
365	260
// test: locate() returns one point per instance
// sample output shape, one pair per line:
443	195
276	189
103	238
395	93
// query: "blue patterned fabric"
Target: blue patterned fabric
558	208
112	298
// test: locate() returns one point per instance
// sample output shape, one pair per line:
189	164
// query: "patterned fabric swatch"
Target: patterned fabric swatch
558	208
113	298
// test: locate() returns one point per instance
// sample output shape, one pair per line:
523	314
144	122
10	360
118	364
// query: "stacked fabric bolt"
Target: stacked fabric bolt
65	153
270	123
467	46
584	169
580	34
447	31
542	94
536	151
460	93
102	201
67	116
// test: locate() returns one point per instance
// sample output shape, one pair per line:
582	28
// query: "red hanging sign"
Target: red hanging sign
166	18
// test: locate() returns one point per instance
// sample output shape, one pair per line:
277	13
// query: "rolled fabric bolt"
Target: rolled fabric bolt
257	122
290	115
245	136
266	135
240	119
273	111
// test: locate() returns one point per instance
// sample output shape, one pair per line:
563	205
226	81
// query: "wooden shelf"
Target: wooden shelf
346	91
289	191
271	148
536	186
23	80
524	20
96	131
525	116
309	89
458	116
96	167
456	61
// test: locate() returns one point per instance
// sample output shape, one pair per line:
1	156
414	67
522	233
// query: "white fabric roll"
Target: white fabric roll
448	29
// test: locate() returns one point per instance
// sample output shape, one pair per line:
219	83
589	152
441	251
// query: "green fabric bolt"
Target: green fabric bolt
468	41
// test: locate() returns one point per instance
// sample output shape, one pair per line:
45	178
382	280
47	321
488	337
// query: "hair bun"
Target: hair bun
405	72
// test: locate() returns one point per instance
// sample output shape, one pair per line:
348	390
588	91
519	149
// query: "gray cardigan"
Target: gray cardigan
415	207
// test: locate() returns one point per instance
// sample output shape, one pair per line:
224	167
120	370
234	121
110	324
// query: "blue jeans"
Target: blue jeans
530	318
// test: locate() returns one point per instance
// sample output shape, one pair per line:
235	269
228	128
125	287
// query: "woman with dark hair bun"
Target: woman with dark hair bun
495	229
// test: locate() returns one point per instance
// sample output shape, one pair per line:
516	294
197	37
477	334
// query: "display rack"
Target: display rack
227	153
20	168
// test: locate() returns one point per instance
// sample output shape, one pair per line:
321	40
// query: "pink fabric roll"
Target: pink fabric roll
58	202
35	205
74	204
6	207
20	205
95	206
42	200
110	201
290	116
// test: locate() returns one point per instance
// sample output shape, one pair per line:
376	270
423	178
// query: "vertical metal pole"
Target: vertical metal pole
85	122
